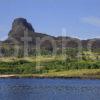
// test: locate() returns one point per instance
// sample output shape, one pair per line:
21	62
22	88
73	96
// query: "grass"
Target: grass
70	73
45	58
50	67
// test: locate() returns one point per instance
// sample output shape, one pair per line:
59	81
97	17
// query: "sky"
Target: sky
79	18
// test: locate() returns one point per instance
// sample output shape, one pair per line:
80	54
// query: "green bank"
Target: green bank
50	66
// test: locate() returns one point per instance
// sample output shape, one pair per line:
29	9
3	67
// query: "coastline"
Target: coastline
71	74
49	77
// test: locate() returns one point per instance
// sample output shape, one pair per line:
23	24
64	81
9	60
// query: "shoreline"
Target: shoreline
69	74
47	77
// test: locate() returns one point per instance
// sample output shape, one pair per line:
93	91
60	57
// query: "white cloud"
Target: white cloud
92	20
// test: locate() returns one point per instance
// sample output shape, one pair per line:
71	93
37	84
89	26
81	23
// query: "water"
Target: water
49	89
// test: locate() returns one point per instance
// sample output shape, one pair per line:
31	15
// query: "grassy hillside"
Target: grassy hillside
46	64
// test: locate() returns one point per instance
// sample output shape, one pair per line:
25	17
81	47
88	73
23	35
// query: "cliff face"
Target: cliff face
20	26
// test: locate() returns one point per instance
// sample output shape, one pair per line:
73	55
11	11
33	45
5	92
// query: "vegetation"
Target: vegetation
67	64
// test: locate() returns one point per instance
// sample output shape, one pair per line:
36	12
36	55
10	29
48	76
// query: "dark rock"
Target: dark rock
19	26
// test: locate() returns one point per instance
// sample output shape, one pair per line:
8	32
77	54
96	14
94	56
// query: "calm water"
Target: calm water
49	89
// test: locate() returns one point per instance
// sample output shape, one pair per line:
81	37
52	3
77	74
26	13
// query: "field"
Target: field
49	66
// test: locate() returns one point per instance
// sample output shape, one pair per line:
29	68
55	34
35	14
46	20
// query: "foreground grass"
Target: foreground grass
50	67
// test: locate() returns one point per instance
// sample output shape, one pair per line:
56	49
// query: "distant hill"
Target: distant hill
21	25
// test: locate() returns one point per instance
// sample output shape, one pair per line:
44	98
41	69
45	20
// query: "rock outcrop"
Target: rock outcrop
20	26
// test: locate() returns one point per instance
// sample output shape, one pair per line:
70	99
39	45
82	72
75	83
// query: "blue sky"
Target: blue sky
80	18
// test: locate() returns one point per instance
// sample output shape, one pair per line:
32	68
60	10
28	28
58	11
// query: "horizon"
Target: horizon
80	19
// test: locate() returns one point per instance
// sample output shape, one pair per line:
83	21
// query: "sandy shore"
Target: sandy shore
7	76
